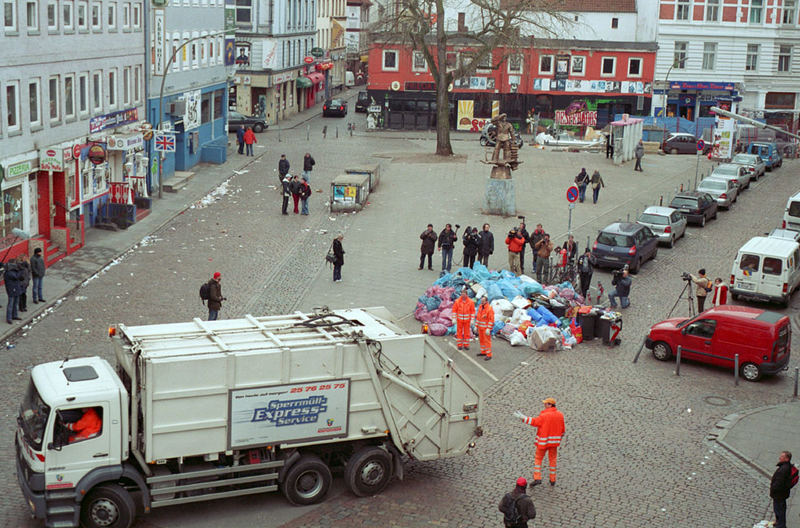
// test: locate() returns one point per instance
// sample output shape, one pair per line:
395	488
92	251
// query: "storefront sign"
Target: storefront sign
18	169
126	142
419	86
191	119
97	154
112	120
279	78
159	41
51	159
587	118
684	85
317	52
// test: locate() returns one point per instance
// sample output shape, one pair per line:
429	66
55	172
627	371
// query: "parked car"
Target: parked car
489	136
723	191
761	338
681	143
766	269
696	206
666	223
337	107
752	165
735	173
362	101
791	216
768	152
237	120
625	243
785	234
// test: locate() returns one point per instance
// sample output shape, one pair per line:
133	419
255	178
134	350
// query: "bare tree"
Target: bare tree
501	26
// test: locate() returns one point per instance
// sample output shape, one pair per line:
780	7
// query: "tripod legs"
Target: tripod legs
689	297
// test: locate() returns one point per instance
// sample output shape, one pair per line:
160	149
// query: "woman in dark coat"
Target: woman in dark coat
338	253
25	266
14	278
471	242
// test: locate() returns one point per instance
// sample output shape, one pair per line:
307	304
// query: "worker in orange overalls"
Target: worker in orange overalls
464	310
485	321
88	426
549	431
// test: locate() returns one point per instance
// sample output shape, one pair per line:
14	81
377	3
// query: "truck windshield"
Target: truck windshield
33	413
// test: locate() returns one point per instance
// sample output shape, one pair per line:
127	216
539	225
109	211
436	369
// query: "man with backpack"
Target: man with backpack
211	291
517	507
585	269
783	480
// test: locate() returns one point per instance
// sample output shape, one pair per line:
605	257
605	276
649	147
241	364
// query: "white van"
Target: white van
349	79
766	269
791	216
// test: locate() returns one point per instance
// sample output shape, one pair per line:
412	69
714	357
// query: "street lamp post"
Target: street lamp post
666	95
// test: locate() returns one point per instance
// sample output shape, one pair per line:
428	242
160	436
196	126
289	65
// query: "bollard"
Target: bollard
636	358
661	200
337	132
681	188
629	217
678	361
736	369
796	375
325	132
308	132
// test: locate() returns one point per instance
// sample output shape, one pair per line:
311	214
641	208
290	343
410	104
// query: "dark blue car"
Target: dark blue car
624	244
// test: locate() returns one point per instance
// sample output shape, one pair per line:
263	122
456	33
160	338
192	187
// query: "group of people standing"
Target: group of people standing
477	244
292	186
17	275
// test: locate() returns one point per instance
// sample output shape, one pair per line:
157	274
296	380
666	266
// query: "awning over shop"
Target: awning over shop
303	82
316	77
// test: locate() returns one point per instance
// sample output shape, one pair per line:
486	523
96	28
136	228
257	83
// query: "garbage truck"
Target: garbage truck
204	410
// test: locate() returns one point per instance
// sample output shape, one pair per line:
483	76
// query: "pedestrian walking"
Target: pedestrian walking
720	293
571	248
484	320
305	194
609	146
471	241
464	310
585	269
308	166
283	167
13	277
780	487
249	140
549	432
517	507
25	266
543	250
215	297
597	182
535	237
295	188
428	238
485	245
704	287
286	185
582	181
37	272
639	153
524	232
338	254
447	239
516	244
240	139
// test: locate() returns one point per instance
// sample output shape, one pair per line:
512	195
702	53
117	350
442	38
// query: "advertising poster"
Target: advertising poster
284	413
191	119
723	138
465	111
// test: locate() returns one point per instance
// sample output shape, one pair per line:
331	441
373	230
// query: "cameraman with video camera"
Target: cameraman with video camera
622	288
516	244
447	239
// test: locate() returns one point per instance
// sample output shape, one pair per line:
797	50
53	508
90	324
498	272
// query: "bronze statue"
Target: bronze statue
505	140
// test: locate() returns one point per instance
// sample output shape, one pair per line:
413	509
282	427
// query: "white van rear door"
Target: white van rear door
774	274
748	276
792	215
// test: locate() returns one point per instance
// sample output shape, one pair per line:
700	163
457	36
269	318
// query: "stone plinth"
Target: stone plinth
501	197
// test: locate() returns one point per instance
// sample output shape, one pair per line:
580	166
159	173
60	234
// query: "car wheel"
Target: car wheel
715	214
662	351
671	243
735	296
635	269
258	127
484	142
655	254
307	481
750	372
368	471
703	220
673	151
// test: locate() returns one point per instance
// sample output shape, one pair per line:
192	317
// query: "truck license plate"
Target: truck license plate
745	286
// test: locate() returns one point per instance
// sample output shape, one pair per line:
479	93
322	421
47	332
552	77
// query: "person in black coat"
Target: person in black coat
283	167
286	187
308	166
779	488
338	253
428	238
524	232
571	248
25	266
485	245
14	278
471	241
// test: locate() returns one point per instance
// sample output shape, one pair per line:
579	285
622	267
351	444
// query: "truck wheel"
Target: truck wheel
662	351
307	482
368	471
108	506
750	372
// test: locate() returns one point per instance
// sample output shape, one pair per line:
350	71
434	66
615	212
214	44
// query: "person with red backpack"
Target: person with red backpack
783	480
517	507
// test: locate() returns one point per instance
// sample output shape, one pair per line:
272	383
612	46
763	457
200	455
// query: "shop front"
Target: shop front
309	84
60	222
691	100
18	190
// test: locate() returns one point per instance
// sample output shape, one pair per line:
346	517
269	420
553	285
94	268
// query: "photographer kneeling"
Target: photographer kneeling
622	288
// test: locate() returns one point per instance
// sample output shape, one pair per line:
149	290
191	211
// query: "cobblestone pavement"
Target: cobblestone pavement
634	455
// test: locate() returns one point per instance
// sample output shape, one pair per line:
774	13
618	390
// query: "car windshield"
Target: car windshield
683	200
715	185
363	96
732	170
746	158
33	414
614	240
648	218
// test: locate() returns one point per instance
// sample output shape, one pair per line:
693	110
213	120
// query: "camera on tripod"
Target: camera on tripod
458	227
685	276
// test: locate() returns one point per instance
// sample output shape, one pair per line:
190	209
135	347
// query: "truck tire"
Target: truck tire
368	471
307	482
108	506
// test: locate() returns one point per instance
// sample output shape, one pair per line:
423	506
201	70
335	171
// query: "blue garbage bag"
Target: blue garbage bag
531	288
536	318
493	291
480	272
451	330
547	315
566	284
444	280
508	288
506	274
498	325
431	303
466	273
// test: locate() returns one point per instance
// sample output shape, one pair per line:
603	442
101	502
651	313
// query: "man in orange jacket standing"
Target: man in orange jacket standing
464	310
516	245
485	321
549	431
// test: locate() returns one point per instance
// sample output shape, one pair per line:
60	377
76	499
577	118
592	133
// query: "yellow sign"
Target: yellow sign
350	192
465	111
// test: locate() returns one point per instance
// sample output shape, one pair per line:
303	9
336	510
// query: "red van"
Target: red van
760	337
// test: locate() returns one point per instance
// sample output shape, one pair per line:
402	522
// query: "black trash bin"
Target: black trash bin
558	311
588	324
603	329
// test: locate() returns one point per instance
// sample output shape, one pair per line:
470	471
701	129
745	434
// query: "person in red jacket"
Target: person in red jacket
516	244
249	139
464	310
88	426
720	293
485	321
549	432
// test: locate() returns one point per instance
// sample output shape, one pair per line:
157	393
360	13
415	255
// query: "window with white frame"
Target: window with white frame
679	55
784	58
486	62
390	60
789	12
112	88
97	91
126	85
712	10
32	15
83	16
204	50
54	101
244	11
634	67
418	63
756	11
751	63
97	17
578	66
220	50
10	15
136	15
52	15
67	7
69	96
608	67
212	47
709	55
137	79
195	52
126	16
83	93
12	106
111	16
545	64
682	10
176	42
35	102
515	64
186	50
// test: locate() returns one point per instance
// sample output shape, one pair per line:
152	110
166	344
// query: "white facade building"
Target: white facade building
331	26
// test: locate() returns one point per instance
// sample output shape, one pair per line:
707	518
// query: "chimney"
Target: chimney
462	22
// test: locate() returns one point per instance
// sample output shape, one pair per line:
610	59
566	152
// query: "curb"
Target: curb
725	425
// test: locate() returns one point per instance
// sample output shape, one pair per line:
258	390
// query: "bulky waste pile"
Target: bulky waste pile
525	312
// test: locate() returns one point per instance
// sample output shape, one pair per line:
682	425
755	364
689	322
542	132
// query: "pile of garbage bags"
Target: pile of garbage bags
526	312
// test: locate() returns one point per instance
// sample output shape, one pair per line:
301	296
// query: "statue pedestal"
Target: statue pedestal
501	196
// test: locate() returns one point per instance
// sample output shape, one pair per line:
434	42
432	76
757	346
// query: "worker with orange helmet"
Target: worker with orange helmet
484	320
464	310
549	432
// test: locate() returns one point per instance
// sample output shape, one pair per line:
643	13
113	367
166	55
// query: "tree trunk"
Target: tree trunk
443	147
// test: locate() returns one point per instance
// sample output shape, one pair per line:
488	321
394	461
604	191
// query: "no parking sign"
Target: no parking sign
572	194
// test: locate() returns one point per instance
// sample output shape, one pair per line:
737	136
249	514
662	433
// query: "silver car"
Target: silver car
723	190
729	171
666	223
752	164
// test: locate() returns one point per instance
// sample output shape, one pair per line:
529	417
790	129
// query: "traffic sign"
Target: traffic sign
165	142
700	145
572	194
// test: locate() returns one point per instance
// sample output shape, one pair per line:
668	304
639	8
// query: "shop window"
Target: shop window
67	14
53	90
205	108
244	10
94	179
34	104
680	56
219	98
111	18
12	213
578	64
515	64
546	64
784	58
12	106
682	11
52	16
390	60
419	64
709	55
780	100
10	15
634	67
751	63
609	66
32	16
789	12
